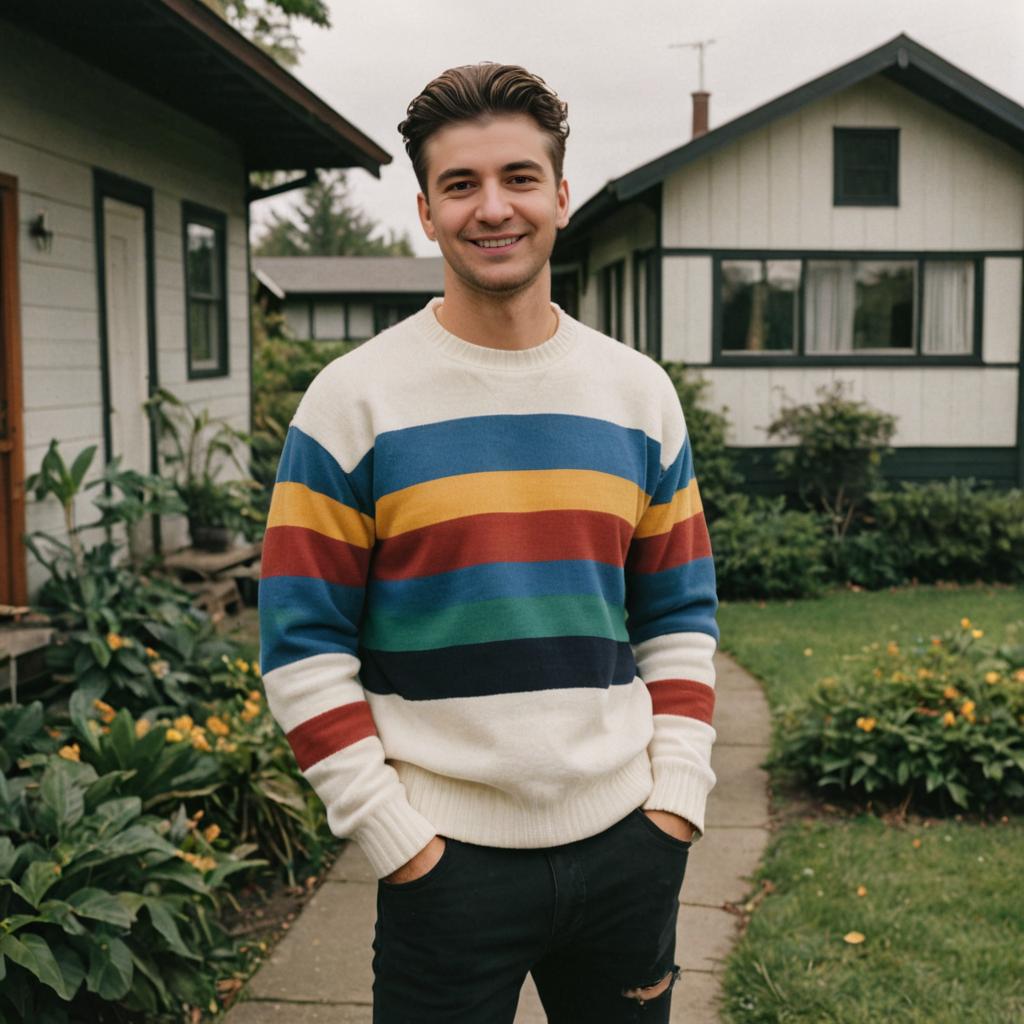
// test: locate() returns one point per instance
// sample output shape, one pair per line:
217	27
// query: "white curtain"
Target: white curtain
828	306
948	326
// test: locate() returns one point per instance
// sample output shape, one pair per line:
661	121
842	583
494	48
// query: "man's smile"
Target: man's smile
495	243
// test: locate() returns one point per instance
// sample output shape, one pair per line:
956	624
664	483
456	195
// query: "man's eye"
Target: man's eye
458	186
522	179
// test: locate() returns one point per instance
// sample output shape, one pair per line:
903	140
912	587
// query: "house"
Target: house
866	227
128	131
346	298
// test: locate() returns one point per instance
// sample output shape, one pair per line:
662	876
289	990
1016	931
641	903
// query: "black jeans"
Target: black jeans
591	920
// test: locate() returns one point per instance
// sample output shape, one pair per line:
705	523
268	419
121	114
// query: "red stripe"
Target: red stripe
503	537
685	542
330	732
298	551
684	697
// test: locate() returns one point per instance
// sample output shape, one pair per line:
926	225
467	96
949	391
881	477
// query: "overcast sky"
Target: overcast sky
628	91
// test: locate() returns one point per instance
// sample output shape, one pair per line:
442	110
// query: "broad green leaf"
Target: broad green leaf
226	868
37	879
122	738
33	953
137	839
59	912
180	874
7	855
106	784
151	971
81	465
114	815
110	968
101	906
164	923
16	921
71	966
60	793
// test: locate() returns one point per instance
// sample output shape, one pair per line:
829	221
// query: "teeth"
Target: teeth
499	243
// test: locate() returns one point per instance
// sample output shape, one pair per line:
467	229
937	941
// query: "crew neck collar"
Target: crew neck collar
547	352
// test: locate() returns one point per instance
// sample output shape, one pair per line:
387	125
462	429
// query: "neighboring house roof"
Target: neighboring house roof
901	60
187	56
319	275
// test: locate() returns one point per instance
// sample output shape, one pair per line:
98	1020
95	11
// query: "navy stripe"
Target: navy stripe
678	600
478	444
675	477
505	666
306	461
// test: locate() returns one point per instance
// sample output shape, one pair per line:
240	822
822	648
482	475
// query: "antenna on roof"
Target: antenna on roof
699	47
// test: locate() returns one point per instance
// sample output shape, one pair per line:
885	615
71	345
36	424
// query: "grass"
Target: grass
943	920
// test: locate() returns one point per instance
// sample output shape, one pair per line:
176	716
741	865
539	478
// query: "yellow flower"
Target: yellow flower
142	726
936	641
256	668
107	713
70	753
184	723
1019	675
924	673
965	623
241	664
211	832
199	863
892	648
255	695
991	677
948	719
967	710
225	746
173	736
951	693
250	711
114	641
200	742
866	723
862	890
977	633
151	654
916	844
53	732
853	938
160	668
217	726
808	651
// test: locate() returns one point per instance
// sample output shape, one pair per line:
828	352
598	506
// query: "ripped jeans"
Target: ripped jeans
593	921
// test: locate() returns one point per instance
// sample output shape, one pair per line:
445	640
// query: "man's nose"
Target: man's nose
493	207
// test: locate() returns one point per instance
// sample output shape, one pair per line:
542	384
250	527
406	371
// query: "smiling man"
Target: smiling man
488	606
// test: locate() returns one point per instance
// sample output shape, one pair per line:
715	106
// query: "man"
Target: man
488	601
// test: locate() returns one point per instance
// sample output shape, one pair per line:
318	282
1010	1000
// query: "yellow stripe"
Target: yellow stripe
661	518
295	504
533	490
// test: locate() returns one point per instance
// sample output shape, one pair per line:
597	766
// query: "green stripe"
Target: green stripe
505	619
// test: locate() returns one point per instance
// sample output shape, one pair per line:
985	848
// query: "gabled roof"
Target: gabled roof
184	54
901	60
351	275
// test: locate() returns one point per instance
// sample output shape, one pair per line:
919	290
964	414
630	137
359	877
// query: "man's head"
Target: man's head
479	92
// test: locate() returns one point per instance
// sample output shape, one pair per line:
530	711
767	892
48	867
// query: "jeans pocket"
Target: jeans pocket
679	845
418	883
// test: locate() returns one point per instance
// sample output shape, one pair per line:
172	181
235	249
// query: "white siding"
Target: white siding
686	309
935	407
1001	329
959	187
59	119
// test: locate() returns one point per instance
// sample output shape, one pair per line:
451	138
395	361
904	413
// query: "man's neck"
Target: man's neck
512	322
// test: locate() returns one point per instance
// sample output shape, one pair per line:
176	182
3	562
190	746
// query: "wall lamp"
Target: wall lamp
38	230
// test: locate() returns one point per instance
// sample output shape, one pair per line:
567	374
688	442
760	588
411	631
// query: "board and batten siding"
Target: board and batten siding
60	118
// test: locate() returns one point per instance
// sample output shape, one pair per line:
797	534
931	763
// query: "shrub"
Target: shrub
936	726
761	550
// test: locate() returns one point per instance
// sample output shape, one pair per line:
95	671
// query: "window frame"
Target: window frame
844	135
875	357
613	275
194	213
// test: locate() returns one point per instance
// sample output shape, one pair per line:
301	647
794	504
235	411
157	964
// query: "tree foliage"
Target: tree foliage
327	223
268	23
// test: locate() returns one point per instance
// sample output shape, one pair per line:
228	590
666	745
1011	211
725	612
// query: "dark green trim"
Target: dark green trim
613	284
1020	396
829	254
721	357
194	213
106	184
842	138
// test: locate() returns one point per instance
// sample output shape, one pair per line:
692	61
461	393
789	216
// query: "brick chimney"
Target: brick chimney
700	113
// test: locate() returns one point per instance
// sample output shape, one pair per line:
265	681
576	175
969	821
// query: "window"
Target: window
612	322
760	303
829	306
866	166
205	294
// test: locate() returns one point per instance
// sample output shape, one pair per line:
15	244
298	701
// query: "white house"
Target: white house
867	227
128	130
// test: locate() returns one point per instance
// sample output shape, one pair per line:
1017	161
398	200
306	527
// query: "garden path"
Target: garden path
321	972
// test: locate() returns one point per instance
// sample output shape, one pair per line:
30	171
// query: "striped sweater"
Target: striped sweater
488	599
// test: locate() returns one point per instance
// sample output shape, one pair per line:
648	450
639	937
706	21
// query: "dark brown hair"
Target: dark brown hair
476	92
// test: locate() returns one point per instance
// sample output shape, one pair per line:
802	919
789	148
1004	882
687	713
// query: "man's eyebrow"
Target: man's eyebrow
468	172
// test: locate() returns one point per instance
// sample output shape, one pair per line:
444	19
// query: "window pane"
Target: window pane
884	316
948	325
866	166
759	305
203	263
204	335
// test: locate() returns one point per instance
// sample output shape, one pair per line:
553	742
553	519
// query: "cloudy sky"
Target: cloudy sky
627	89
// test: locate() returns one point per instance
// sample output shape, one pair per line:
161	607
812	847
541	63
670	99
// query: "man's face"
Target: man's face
492	203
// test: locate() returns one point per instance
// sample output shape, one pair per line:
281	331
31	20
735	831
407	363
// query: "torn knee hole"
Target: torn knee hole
648	992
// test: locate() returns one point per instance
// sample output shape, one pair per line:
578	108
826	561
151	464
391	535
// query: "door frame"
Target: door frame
10	327
107	185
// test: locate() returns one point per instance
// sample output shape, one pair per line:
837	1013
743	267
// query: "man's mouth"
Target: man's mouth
495	243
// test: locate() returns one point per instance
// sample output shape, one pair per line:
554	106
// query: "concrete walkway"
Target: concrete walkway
321	971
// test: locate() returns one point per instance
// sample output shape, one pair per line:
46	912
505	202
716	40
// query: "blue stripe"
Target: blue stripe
478	444
678	600
676	476
301	616
305	461
497	580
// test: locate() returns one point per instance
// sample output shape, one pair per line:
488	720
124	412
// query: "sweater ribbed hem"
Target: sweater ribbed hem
479	814
507	360
392	835
682	791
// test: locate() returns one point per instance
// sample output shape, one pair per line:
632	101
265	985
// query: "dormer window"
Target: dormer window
866	166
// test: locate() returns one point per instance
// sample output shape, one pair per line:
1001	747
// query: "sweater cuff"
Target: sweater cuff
683	791
392	835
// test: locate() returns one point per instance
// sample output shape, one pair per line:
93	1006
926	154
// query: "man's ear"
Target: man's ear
562	204
423	209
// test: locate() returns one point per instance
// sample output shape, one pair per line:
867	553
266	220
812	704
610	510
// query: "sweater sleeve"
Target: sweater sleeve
671	604
316	556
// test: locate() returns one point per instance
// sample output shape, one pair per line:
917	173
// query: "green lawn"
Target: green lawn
943	920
